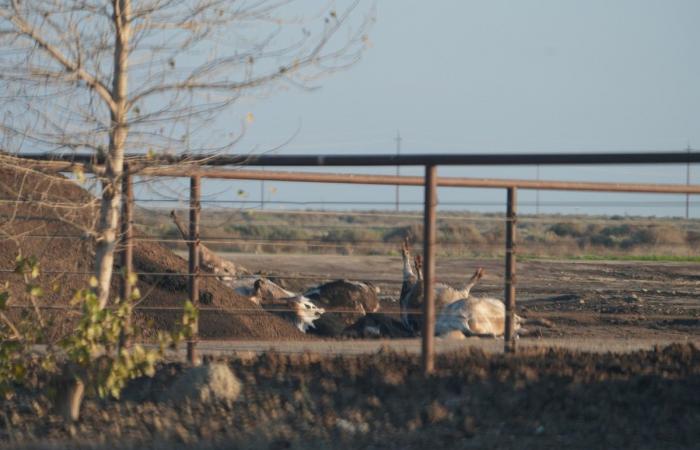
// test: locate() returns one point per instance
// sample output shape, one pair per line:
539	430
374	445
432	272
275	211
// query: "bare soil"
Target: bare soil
610	299
535	399
52	218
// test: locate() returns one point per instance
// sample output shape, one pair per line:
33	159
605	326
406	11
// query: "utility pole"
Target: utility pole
537	193
262	191
398	168
262	194
687	183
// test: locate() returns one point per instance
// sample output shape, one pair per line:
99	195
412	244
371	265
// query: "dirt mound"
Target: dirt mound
207	383
51	218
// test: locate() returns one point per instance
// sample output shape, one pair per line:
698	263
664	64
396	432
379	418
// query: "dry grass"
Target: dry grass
467	234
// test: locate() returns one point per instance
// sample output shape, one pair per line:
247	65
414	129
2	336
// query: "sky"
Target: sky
457	76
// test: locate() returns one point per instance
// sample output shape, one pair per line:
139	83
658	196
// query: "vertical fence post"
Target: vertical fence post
511	221
428	344
127	253
194	261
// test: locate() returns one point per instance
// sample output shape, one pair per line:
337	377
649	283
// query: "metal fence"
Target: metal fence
197	167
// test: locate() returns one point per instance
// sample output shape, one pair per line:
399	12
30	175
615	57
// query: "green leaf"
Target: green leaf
35	291
35	271
4	298
19	267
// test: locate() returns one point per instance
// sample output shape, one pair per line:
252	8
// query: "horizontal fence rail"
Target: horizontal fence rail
441	159
392	180
398	180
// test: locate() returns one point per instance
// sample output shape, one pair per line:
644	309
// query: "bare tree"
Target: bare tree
114	76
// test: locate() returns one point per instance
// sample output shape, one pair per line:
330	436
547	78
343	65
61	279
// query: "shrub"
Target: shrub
602	240
268	232
398	234
495	234
350	236
564	229
459	233
93	359
668	234
616	230
18	337
693	237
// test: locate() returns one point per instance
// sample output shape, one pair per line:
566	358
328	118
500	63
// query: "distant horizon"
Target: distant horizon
525	208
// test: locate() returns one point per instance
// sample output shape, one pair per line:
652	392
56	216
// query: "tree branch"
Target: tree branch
27	30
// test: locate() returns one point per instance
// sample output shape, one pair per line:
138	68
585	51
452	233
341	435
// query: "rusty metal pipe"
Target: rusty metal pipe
511	223
341	178
416	159
429	238
195	193
488	183
127	253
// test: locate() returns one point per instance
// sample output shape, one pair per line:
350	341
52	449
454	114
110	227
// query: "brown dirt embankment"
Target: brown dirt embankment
51	217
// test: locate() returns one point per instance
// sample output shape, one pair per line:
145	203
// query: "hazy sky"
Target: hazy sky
503	76
507	76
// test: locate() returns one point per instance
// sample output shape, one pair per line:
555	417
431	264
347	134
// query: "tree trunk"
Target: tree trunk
114	163
69	401
70	391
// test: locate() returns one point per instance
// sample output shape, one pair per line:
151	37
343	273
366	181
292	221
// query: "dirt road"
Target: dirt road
413	346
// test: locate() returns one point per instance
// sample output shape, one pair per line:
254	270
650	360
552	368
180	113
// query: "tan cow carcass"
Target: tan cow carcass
474	317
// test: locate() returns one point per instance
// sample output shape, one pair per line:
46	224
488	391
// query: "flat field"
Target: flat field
586	300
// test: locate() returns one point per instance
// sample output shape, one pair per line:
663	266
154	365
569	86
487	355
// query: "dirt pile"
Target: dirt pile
540	399
208	383
50	217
